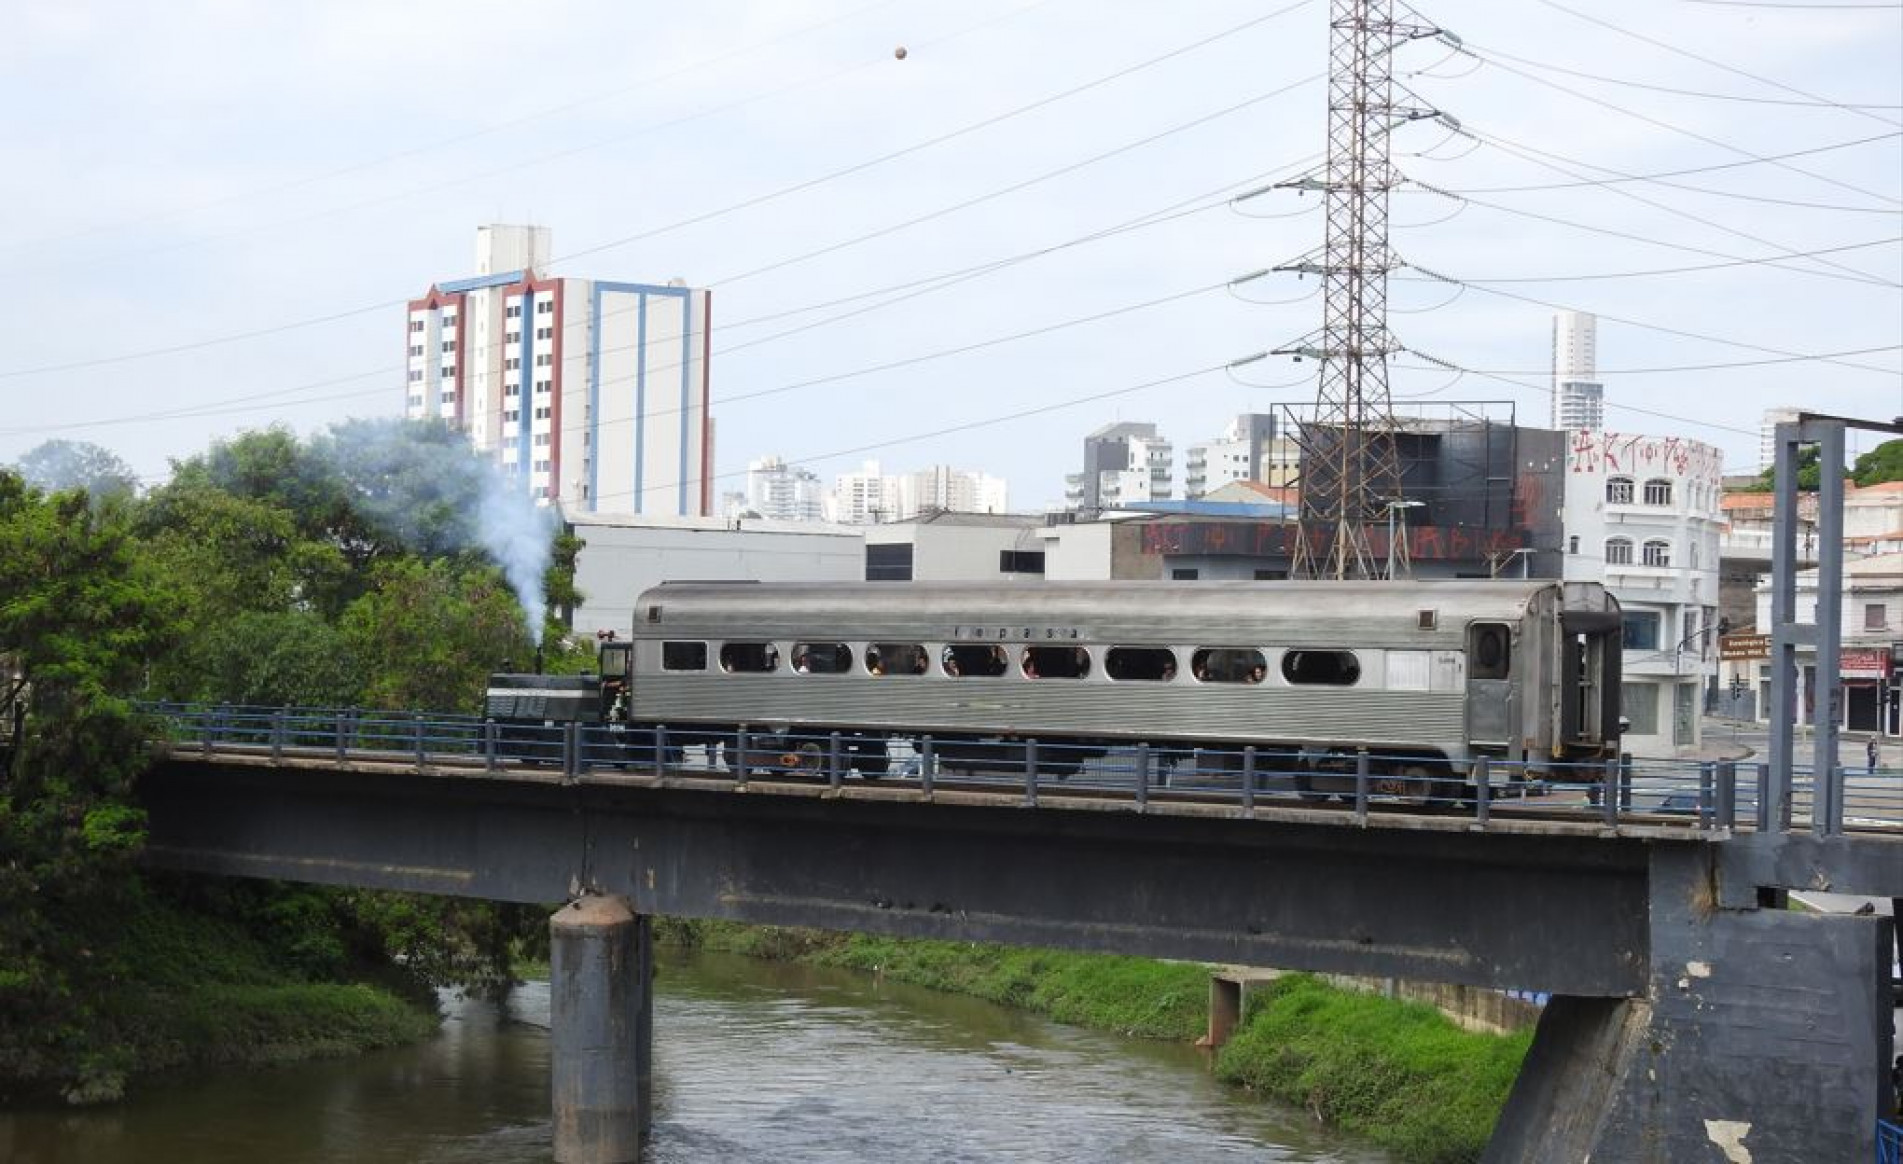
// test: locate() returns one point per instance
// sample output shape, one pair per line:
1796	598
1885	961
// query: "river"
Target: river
755	1061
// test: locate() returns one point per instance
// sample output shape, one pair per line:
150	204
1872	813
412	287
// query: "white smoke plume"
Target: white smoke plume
424	482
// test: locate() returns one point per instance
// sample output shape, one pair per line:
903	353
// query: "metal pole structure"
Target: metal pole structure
1351	463
1786	635
1827	805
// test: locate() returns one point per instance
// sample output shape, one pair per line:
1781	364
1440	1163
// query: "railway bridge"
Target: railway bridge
1691	1013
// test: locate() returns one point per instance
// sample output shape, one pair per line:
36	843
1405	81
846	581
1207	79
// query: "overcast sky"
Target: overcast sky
177	175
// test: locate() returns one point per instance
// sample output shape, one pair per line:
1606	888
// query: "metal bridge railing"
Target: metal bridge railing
1702	795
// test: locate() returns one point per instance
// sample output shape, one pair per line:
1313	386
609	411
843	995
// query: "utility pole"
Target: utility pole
1351	464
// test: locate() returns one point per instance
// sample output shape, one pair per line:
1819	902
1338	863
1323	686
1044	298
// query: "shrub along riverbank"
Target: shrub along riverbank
185	986
1401	1074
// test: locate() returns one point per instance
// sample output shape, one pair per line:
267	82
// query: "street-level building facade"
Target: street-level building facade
1642	515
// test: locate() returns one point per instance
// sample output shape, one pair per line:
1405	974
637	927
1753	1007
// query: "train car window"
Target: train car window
683	656
822	658
749	658
896	659
973	661
1055	662
1488	651
1324	668
1140	664
1228	665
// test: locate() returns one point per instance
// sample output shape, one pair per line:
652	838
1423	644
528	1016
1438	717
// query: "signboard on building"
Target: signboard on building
1863	662
1743	648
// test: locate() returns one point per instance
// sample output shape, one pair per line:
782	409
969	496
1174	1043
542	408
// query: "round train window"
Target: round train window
1325	668
973	660
1489	656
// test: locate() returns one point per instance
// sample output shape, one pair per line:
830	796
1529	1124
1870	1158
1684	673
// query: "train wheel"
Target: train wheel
1417	784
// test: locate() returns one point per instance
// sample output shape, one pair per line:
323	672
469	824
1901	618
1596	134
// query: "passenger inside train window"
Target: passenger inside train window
749	658
1056	662
822	658
1229	665
1140	664
974	660
895	659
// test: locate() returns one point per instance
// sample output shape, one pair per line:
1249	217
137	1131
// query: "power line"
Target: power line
967	426
1716	64
1803	359
1537	157
1654	177
1017	186
101	361
1694	134
1484	52
475	134
1689	249
916	287
558	155
940	139
1641	324
1793	7
1676	270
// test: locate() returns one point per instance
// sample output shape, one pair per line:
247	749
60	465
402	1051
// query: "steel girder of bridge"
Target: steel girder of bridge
1684	1014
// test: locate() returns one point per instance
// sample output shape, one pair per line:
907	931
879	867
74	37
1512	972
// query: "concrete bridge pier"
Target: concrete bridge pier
1762	1037
601	1030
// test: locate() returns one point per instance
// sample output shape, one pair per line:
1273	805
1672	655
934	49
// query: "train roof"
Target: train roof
948	610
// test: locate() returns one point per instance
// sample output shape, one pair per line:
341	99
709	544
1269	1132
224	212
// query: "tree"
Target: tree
1883	463
1810	473
81	615
428	634
60	465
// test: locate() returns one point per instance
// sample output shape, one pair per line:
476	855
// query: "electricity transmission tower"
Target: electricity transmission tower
1351	464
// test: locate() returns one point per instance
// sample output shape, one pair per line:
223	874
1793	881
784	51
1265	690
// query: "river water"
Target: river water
754	1061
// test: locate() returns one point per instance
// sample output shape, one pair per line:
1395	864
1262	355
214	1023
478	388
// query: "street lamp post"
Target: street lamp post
1392	506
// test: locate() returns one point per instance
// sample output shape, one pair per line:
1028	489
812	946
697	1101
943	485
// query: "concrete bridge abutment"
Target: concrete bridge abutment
1763	1037
601	1030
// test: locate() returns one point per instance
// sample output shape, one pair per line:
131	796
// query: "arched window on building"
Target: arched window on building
1658	491
1658	552
1619	490
1618	551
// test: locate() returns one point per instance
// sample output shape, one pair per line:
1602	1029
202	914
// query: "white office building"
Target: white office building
593	393
1579	399
943	489
1767	433
1242	453
1642	514
781	492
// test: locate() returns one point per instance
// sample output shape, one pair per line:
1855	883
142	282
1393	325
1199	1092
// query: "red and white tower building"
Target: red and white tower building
593	393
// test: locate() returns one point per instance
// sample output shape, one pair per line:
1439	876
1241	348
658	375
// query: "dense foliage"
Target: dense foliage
348	569
1881	464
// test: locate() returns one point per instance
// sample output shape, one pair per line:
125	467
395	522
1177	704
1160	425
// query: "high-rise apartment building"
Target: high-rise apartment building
943	489
784	492
864	498
592	393
1127	461
1579	399
1767	433
1242	453
870	496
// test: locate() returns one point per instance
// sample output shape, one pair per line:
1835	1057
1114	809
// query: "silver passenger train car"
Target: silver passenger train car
1424	675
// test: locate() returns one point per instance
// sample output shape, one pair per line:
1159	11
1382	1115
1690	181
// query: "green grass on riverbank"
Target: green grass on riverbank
1401	1074
185	988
